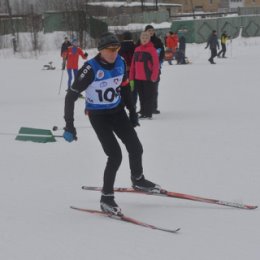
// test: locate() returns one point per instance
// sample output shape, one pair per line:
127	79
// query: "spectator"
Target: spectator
223	41
145	71
72	56
170	47
161	53
182	45
213	45
64	47
127	51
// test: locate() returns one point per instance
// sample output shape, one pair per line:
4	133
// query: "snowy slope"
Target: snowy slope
205	142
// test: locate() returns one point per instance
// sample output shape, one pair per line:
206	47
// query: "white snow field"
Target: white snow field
205	142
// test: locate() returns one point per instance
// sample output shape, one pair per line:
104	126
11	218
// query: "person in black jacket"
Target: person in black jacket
101	78
182	45
127	51
64	47
180	52
213	45
158	44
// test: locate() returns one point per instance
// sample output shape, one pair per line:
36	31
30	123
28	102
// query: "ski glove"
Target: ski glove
70	134
132	85
134	119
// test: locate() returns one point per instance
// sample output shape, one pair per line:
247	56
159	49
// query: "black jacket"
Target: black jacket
182	43
85	77
213	42
158	46
127	51
64	47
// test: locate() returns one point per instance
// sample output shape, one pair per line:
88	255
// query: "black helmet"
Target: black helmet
106	40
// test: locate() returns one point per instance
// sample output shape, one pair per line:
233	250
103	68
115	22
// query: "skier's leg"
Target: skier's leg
104	130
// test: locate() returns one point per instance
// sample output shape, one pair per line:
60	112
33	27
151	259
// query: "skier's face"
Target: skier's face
110	53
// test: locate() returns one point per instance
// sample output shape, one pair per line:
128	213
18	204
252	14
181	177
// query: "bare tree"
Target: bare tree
12	25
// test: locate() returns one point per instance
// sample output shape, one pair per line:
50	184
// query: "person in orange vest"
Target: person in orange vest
171	42
72	56
170	50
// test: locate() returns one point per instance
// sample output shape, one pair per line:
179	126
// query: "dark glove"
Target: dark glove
86	54
134	119
70	134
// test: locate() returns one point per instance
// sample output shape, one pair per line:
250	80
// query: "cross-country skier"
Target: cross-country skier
72	56
101	78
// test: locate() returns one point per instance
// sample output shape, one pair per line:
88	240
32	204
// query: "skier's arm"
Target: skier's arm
84	78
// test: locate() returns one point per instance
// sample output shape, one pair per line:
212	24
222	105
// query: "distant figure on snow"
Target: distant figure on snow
72	56
64	47
223	40
213	45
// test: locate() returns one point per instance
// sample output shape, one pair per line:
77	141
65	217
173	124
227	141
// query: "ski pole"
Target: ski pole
61	81
231	46
57	128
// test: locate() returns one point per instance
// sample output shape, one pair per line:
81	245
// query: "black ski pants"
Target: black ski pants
146	91
107	127
213	54
155	96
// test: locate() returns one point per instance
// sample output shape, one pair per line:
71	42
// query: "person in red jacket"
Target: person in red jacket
72	55
170	47
172	42
144	72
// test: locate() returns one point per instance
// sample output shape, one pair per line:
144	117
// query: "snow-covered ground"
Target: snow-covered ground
205	142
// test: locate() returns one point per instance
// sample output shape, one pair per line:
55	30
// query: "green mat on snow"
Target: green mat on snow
35	135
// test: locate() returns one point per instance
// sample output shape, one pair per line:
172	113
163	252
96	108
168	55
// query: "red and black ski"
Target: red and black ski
124	218
171	194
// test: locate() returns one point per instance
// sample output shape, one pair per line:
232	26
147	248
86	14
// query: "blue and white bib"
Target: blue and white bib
102	93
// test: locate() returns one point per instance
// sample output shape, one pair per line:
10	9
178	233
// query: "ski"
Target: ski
124	218
171	194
